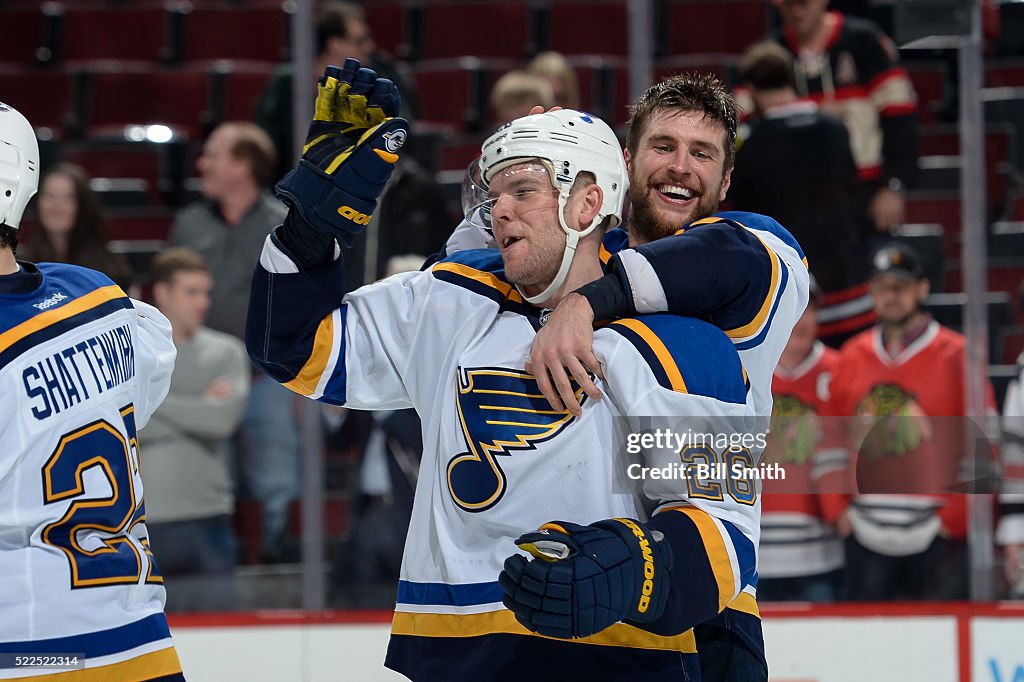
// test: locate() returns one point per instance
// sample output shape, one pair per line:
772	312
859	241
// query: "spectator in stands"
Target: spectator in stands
1010	530
228	227
516	93
900	384
800	556
342	31
850	67
186	467
559	72
813	195
72	225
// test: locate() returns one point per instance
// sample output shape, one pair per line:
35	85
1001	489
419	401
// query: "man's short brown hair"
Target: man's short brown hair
699	92
168	263
767	66
252	144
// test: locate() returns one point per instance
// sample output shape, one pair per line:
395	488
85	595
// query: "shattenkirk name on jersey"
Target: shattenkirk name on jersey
66	378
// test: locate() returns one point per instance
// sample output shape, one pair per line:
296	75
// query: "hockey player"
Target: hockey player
451	341
82	368
743	272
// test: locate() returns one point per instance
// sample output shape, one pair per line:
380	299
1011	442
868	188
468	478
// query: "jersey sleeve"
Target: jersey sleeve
684	375
734	275
154	362
350	350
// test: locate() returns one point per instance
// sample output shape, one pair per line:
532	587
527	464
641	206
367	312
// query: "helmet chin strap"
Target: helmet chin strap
572	240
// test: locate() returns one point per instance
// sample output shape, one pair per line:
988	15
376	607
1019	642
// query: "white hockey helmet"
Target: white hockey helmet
19	165
567	142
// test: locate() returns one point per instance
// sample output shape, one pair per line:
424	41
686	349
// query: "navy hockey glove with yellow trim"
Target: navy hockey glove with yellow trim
350	152
584	578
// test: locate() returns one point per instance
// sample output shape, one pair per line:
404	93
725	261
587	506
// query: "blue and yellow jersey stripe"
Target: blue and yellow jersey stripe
324	371
150	666
730	553
38	327
687	355
468	610
149	636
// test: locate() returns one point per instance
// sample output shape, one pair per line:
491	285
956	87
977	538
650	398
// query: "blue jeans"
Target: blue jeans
269	463
197	560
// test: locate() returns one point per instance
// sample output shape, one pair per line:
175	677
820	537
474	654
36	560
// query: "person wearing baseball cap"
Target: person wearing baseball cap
902	381
898	287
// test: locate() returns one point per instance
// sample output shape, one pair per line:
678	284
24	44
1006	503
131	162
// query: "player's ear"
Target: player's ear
590	204
629	159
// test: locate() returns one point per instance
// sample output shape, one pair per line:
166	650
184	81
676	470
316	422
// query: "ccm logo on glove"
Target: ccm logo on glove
355	216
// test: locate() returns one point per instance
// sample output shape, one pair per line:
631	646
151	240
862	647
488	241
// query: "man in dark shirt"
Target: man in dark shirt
794	164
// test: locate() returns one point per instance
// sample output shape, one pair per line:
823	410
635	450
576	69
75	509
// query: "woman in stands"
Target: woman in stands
72	226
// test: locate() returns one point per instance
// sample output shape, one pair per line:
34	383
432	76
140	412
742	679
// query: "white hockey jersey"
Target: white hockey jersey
82	368
451	342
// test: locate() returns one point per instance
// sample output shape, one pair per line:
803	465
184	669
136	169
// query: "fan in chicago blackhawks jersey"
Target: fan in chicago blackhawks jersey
605	589
82	368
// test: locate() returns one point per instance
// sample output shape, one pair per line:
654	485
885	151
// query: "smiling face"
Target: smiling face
677	174
524	217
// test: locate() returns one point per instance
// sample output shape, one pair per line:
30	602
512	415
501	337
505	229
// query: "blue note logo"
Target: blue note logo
502	412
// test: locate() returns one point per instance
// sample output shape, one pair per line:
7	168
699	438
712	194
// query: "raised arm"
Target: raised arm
296	329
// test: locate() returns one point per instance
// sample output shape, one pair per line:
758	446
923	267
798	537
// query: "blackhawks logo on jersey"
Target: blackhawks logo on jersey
890	423
795	431
501	411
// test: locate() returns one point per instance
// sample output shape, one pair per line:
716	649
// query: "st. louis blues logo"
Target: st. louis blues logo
501	411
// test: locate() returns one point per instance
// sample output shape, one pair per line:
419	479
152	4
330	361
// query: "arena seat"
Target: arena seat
388	22
503	30
228	31
117	32
597	27
22	34
236	90
44	96
141	224
177	98
160	165
466	84
703	26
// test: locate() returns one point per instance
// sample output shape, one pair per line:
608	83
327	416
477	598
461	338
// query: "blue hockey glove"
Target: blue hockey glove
350	151
584	578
